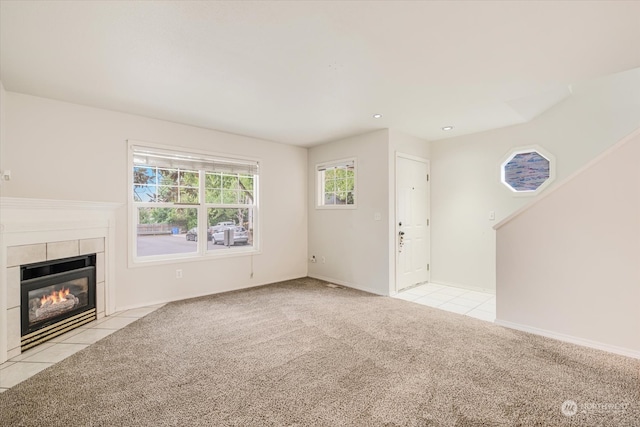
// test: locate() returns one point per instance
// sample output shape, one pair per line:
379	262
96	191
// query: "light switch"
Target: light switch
377	216
492	215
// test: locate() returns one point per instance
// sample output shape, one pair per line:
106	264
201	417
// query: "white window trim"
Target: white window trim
201	254
320	184
527	149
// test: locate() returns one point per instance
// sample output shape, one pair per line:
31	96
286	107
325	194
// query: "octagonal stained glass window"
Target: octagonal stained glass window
527	171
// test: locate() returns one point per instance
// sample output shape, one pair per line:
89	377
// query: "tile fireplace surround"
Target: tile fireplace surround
35	230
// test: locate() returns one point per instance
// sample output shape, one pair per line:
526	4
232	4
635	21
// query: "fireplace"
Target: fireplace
56	297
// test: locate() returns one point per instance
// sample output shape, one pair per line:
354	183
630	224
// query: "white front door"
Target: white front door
412	221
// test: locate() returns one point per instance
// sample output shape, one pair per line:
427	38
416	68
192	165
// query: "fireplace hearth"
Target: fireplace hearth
56	297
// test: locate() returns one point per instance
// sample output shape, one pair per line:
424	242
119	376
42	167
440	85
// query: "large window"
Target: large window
336	184
186	204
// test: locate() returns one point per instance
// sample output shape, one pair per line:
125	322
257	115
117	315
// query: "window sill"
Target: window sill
183	258
336	207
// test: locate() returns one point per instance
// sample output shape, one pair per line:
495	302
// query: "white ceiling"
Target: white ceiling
304	73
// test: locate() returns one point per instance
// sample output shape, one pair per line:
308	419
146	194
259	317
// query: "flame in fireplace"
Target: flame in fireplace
55	296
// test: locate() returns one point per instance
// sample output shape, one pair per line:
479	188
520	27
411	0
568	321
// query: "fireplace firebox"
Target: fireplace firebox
56	297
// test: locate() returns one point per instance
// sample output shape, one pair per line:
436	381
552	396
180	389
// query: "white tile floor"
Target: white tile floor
480	305
41	357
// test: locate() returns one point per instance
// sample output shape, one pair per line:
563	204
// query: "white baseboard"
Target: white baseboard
571	339
343	283
202	294
467	287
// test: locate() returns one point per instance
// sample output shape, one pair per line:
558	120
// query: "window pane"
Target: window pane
145	190
221	219
144	193
167	176
213	196
167	194
329	198
330	186
229	197
246	189
164	231
341	198
246	182
189	179
144	175
230	181
350	184
350	198
245	197
341	185
526	171
213	180
188	195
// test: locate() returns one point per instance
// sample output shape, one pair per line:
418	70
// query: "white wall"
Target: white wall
355	246
3	289
3	127
465	172
58	150
569	265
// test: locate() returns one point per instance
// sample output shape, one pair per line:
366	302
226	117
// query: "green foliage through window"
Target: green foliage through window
337	184
173	192
153	184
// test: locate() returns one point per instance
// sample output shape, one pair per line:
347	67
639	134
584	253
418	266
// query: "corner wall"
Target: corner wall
358	248
354	244
465	172
568	266
64	151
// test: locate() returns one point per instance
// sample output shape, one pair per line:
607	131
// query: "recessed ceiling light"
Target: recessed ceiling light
447	128
377	116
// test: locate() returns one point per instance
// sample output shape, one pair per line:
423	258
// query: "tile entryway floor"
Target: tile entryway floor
32	361
476	304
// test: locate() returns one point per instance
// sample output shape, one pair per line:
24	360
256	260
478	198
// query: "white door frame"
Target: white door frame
394	226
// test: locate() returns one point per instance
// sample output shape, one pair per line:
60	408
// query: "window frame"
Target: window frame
201	252
320	169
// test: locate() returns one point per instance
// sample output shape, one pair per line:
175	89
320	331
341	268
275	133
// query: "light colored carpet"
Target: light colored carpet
301	353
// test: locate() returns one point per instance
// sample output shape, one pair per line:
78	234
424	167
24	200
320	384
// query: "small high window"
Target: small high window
527	171
336	184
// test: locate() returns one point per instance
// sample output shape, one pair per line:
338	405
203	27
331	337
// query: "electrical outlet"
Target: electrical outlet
179	274
324	260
